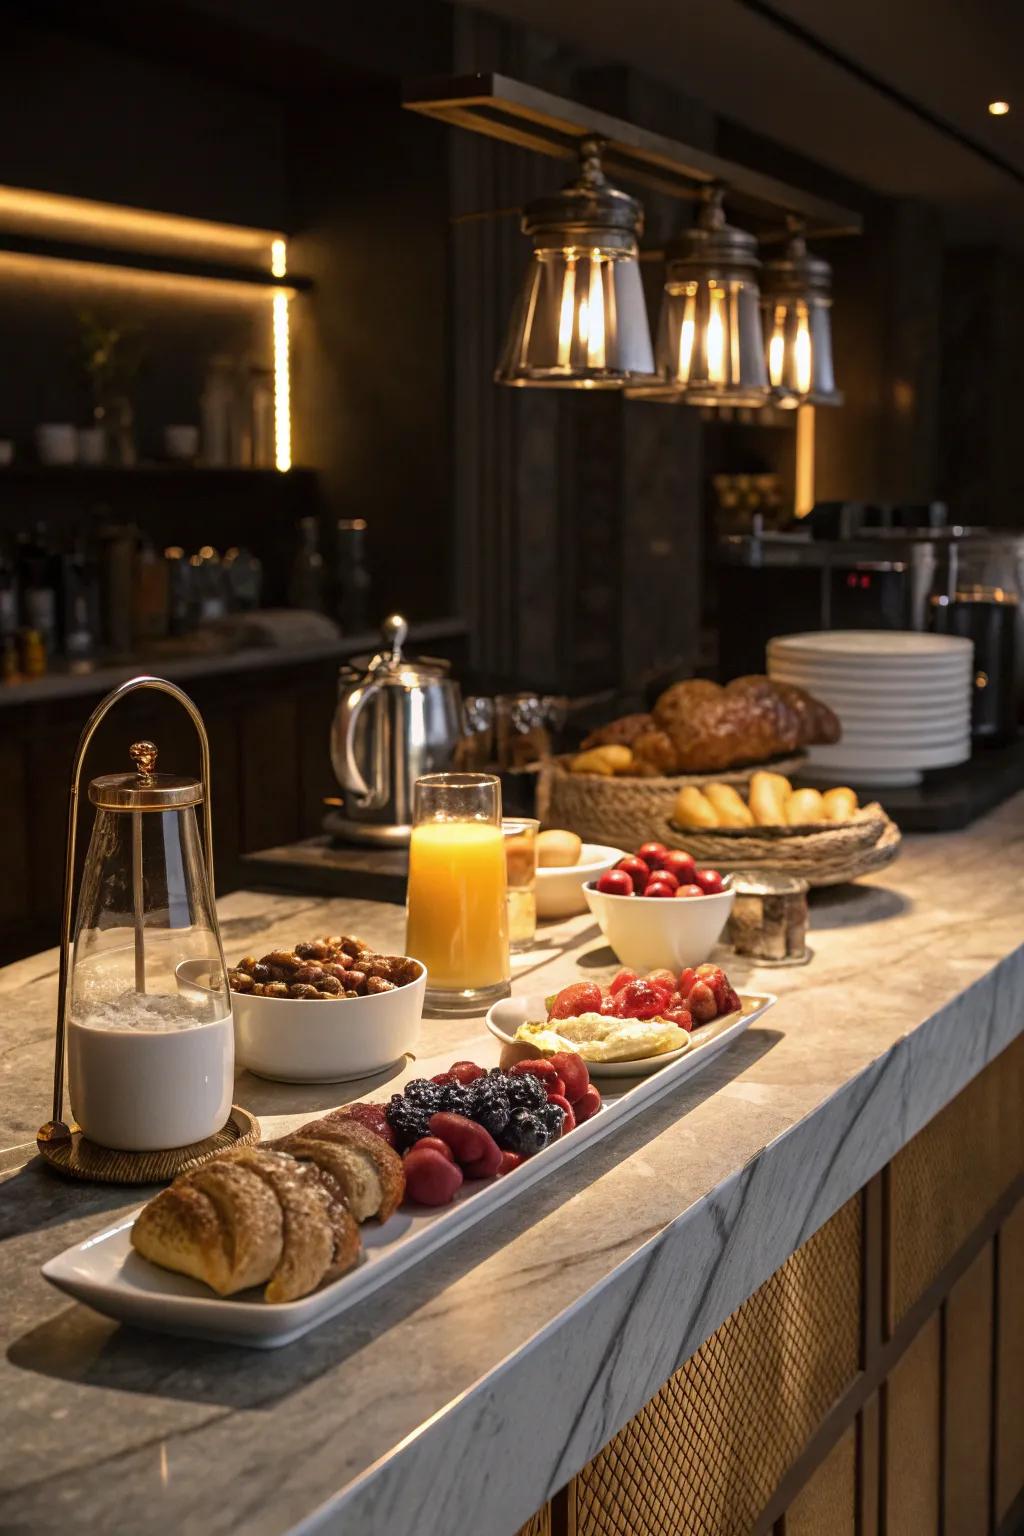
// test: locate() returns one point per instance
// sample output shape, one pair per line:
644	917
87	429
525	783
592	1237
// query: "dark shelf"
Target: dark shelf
117	257
95	474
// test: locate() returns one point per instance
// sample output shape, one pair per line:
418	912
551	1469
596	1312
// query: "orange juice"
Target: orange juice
457	920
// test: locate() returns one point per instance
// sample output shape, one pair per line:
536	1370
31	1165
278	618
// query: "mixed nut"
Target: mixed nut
331	967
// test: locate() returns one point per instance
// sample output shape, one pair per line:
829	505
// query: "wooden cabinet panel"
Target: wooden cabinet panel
950	1175
1010	1363
967	1399
828	1500
706	1454
269	773
911	1414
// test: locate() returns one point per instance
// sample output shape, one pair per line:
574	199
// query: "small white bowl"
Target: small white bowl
651	932
311	1040
560	886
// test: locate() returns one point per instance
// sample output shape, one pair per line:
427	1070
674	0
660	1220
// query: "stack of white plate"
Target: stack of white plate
903	699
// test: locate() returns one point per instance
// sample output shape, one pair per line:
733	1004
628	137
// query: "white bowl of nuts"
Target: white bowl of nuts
326	1011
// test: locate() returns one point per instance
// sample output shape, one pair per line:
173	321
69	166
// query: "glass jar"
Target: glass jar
457	911
144	1012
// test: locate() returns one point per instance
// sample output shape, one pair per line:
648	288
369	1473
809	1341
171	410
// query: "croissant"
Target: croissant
750	720
366	1169
283	1217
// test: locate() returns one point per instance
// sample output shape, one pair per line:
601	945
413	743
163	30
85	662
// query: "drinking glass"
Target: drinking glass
457	908
521	865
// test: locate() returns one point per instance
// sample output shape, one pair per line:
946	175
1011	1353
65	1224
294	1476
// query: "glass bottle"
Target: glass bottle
306	583
352	577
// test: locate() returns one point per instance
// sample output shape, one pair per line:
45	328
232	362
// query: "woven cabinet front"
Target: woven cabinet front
707	1452
949	1176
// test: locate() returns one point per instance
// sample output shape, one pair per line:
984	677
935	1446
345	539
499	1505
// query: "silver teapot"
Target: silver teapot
397	718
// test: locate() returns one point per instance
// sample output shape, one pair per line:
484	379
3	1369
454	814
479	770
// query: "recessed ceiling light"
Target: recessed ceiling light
998	108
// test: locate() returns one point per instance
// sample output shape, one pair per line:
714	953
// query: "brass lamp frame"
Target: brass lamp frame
56	1130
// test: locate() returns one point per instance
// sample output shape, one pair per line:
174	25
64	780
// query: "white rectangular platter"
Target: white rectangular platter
105	1271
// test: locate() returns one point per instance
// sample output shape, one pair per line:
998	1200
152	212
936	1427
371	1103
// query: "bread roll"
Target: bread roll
768	794
604	760
804	807
693	809
557	849
839	804
732	810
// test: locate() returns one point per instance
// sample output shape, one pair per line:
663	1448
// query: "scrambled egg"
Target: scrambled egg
598	1038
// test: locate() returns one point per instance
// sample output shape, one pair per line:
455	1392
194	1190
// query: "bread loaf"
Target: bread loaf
750	720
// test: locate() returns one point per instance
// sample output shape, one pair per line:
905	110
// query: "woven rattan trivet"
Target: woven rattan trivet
76	1157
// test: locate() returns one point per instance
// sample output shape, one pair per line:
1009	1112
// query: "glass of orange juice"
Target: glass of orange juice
457	907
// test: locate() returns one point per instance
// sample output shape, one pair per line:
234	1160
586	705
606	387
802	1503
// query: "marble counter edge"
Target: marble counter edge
562	1397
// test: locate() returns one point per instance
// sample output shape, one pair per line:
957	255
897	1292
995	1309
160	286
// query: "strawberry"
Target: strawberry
639	1000
509	1160
701	1003
687	977
581	997
433	1144
681	1016
572	1069
619	981
587	1106
664	979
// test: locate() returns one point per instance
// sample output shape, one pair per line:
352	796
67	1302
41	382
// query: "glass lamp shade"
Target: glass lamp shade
798	328
710	349
580	321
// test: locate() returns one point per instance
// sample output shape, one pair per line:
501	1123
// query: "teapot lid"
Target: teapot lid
390	666
144	790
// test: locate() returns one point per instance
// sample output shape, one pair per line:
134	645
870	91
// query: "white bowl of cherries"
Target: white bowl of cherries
658	910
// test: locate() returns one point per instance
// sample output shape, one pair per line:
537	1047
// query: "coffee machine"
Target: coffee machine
853	565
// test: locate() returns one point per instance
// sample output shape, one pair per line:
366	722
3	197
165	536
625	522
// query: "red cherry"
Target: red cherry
659	888
615	882
637	871
709	880
653	854
689	890
682	865
620	980
664	877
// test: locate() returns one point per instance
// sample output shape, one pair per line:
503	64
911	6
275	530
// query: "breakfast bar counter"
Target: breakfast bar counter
847	1174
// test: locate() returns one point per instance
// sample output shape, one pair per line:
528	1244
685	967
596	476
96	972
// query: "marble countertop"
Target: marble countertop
463	1394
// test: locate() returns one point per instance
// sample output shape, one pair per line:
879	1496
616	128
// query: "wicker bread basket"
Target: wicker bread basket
623	813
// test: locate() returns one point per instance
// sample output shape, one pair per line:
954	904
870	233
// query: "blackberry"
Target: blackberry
552	1117
525	1133
425	1093
488	1104
408	1121
454	1098
525	1091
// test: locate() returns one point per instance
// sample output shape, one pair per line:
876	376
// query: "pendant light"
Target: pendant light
710	349
580	321
797	300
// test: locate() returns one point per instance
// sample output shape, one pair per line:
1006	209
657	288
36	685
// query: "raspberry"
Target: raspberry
619	981
581	997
